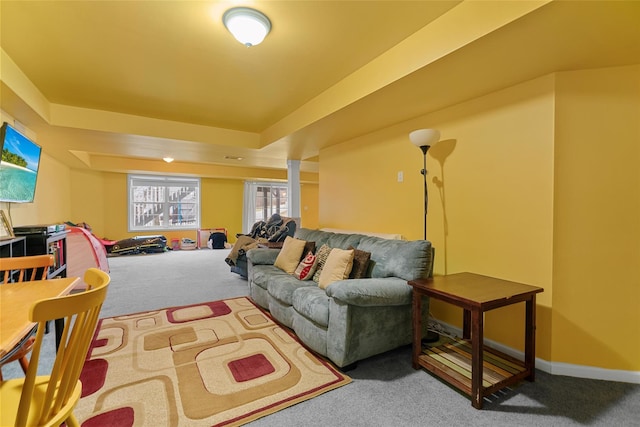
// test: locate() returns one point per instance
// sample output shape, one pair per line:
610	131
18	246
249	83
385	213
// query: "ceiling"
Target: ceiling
116	86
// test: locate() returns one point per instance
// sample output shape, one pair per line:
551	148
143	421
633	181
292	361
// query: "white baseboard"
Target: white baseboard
580	371
558	368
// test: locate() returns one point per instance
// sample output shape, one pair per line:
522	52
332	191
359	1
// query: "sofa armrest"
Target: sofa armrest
262	256
371	292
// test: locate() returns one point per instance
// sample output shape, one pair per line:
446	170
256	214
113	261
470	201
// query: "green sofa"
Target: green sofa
351	319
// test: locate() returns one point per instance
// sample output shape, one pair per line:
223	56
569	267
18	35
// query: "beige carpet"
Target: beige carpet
210	364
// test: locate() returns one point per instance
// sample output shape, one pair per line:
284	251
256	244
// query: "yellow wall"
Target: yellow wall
52	203
222	205
309	205
88	201
359	188
498	201
491	212
537	183
596	301
115	206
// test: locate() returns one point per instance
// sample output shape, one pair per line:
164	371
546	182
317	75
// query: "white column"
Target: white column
293	186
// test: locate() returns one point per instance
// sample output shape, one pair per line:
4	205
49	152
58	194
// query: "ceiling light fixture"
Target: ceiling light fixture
168	159
233	158
248	26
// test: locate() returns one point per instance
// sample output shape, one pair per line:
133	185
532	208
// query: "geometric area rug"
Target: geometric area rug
220	363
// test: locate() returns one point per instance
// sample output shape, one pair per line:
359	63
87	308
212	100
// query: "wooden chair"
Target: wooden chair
22	269
27	268
49	400
93	277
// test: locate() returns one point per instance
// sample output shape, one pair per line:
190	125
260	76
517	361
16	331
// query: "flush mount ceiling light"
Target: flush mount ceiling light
248	26
168	159
233	158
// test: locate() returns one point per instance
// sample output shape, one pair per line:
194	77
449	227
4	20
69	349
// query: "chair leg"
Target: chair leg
72	421
21	356
24	363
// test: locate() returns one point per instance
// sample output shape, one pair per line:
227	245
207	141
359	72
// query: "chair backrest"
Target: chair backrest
94	277
25	268
80	312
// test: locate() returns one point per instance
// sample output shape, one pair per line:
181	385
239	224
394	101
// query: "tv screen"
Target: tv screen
18	166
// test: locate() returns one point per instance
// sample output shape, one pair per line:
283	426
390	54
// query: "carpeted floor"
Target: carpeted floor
209	364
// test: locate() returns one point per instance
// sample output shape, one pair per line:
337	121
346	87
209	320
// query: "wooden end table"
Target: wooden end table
451	361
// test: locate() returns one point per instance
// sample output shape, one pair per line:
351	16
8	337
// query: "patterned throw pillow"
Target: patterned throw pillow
306	268
321	255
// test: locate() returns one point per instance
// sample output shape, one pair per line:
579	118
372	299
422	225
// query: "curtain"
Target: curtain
248	205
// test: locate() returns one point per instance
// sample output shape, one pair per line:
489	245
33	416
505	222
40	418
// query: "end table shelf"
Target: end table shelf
452	360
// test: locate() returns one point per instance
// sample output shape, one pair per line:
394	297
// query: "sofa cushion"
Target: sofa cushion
312	303
334	240
400	258
262	273
337	267
371	292
281	287
262	256
290	254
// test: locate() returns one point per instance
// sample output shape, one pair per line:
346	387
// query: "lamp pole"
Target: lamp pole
424	149
423	139
431	336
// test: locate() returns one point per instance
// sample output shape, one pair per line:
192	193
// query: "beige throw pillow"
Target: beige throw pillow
290	254
337	267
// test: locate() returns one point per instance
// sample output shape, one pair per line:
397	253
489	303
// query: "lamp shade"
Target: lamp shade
248	26
424	137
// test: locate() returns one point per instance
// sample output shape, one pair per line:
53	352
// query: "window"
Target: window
263	199
163	203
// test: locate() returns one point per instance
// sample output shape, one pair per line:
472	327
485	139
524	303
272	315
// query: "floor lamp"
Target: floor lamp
424	139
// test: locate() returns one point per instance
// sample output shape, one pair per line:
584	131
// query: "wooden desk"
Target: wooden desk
475	294
16	300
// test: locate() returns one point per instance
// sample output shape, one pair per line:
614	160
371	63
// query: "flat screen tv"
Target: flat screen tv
18	166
